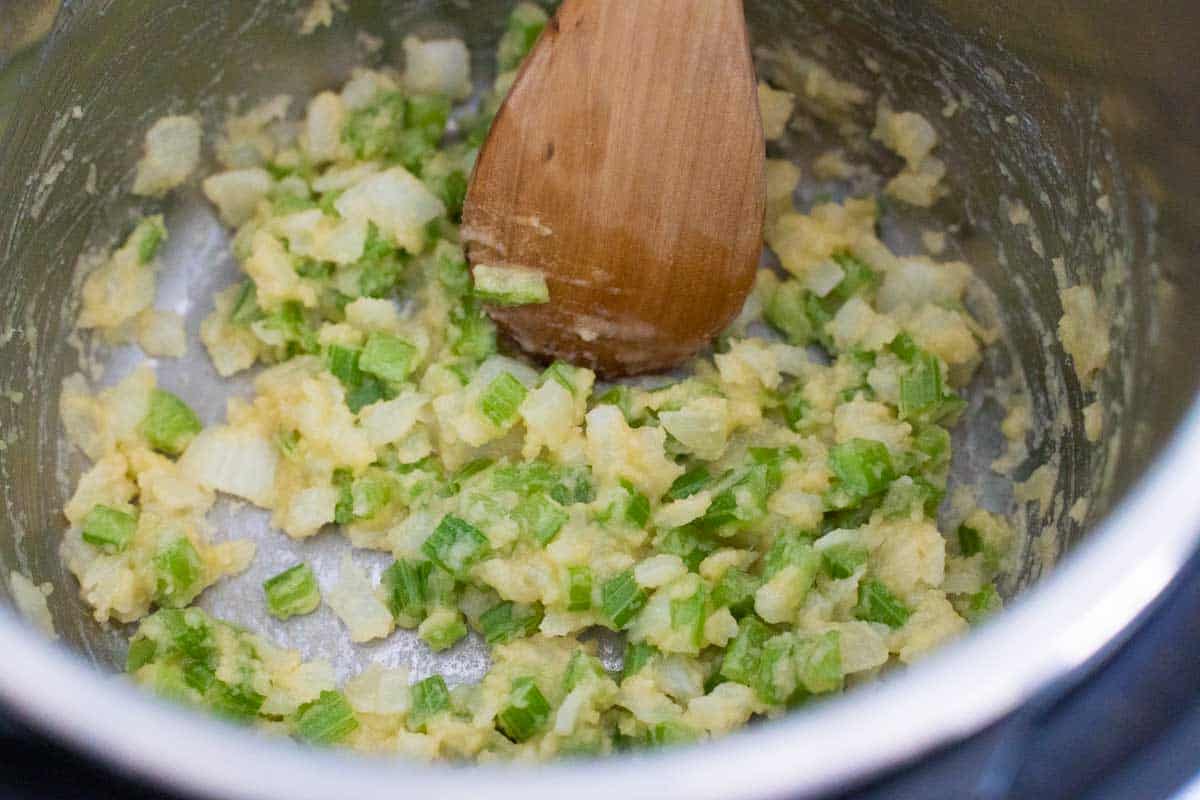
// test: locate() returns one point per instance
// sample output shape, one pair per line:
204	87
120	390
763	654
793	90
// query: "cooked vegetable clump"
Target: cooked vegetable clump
760	528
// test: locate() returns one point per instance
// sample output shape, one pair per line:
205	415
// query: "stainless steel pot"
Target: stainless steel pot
1060	104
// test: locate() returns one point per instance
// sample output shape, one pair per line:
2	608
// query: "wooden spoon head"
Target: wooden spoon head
627	164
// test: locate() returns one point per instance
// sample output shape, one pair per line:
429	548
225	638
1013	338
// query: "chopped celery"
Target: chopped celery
580	668
179	573
819	662
245	306
388	357
406	584
430	697
507	621
108	529
527	711
688	614
561	373
452	270
689	483
236	703
786	312
670	732
456	545
169	424
859	278
791	548
510	286
374	131
326	720
841	560
970	541
689	543
427	114
540	517
501	399
920	386
982	604
877	604
579	588
863	466
442	629
630	507
637	655
472	332
293	592
621	599
621	397
525	24
735	591
150	233
775	682
744	652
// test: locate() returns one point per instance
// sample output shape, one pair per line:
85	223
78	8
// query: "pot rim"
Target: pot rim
953	693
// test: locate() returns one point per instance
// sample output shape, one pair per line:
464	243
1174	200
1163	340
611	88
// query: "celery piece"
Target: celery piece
510	286
790	548
876	603
442	629
427	114
507	621
326	720
293	592
406	584
776	680
540	517
501	399
920	386
373	131
688	614
472	332
669	733
169	424
744	652
179	573
456	545
637	655
579	588
108	529
970	541
525	25
150	233
819	662
621	599
527	711
786	312
982	604
388	357
690	543
863	466
452	270
245	306
561	373
238	703
689	483
430	697
735	591
580	668
841	560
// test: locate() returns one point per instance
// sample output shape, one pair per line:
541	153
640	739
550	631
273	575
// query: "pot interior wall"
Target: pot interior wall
1027	130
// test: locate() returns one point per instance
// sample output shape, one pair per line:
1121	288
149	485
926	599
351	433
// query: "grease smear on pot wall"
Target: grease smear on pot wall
763	527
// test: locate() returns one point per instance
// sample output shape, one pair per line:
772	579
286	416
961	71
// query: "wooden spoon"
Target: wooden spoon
627	165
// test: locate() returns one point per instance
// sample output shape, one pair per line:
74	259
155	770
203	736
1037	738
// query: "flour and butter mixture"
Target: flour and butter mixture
761	526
